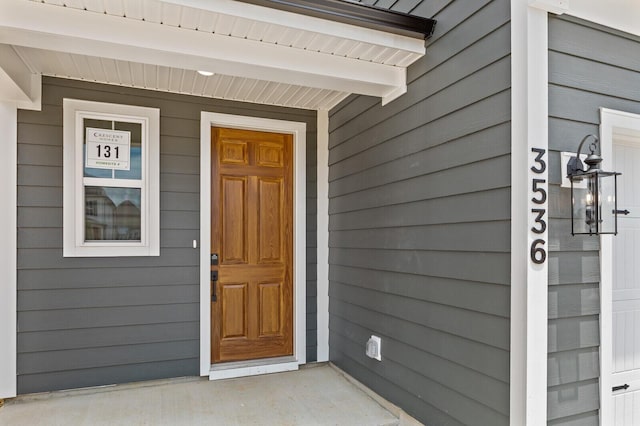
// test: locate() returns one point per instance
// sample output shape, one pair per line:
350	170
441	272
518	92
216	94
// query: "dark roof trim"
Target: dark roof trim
356	14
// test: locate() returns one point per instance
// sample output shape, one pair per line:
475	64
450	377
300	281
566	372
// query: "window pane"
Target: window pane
134	155
112	213
135	159
88	171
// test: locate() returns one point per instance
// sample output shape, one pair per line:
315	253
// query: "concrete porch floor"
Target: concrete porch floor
315	395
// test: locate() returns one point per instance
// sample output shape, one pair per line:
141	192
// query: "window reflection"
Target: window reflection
112	213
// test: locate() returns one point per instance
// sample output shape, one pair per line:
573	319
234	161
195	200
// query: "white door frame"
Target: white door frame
298	130
611	121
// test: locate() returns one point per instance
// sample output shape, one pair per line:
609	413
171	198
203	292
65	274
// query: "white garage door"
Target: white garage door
626	286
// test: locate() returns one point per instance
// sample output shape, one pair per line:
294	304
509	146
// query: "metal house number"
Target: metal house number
538	252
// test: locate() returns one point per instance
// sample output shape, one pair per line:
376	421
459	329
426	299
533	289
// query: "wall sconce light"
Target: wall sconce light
593	194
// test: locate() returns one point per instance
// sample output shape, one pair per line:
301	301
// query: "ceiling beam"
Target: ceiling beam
64	29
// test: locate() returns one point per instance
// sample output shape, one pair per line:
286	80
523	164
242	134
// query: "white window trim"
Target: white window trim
298	130
610	120
73	200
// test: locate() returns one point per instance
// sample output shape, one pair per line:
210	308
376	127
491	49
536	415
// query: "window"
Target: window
111	180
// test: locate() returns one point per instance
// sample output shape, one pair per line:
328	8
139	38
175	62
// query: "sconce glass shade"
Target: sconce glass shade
594	205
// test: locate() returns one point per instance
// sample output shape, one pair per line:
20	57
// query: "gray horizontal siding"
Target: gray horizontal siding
97	317
483	267
441	210
443	291
84	338
460	180
589	67
95	358
79	378
94	321
448	385
85	278
429	237
53	299
311	234
420	224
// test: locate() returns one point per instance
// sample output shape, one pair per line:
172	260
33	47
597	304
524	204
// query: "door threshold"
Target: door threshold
229	370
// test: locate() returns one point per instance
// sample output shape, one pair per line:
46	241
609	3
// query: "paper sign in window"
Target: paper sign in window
108	149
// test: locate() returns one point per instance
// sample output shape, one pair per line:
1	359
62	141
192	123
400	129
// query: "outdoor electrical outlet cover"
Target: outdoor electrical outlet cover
374	348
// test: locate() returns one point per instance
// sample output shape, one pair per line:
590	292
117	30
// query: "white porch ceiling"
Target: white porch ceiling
159	44
175	80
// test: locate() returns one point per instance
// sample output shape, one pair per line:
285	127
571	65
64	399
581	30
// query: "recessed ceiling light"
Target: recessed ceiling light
205	73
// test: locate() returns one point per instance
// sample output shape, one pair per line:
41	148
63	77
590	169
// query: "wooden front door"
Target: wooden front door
252	233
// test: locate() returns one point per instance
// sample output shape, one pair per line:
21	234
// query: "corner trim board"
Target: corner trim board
298	130
529	281
8	248
323	236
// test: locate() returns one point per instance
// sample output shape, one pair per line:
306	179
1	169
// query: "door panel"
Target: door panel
234	152
251	229
270	301
270	155
233	298
626	342
270	220
233	247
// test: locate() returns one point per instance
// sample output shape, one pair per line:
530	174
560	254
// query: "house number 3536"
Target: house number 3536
539	200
